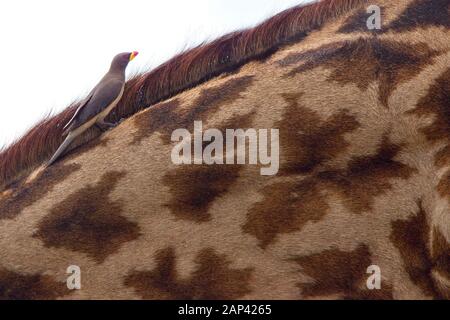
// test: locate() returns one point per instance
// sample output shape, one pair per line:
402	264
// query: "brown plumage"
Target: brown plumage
98	104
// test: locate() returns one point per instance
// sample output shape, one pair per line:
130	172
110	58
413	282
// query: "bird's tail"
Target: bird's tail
62	148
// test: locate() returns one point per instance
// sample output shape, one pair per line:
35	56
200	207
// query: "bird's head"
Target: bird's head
121	60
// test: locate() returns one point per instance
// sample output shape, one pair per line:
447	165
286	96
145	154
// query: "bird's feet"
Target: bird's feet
103	126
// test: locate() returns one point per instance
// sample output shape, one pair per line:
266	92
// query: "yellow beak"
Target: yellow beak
133	55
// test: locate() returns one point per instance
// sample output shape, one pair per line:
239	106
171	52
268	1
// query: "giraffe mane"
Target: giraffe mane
182	72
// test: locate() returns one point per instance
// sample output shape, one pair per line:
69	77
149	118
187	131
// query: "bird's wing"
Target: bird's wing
81	106
102	97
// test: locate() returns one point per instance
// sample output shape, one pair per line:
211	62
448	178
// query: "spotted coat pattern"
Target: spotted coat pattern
364	179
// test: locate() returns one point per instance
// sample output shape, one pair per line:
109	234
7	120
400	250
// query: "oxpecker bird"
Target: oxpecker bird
98	104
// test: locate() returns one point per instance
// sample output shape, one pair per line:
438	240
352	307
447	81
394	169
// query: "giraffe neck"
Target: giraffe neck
359	208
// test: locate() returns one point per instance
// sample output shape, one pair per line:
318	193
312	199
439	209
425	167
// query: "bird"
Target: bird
98	103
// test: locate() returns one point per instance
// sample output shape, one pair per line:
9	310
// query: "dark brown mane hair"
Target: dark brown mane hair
182	72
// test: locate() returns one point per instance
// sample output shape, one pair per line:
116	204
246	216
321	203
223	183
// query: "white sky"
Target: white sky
54	51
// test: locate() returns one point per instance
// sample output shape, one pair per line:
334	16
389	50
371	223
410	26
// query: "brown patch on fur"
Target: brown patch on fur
88	221
419	14
307	141
25	194
355	23
412	239
288	206
336	272
423	13
358	22
437	104
155	119
184	71
444	185
364	61
167	117
16	286
367	177
441	257
213	279
443	157
441	253
195	187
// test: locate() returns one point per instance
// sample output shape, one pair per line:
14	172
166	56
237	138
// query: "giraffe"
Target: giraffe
363	183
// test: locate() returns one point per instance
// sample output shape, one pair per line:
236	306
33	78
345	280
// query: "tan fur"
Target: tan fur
363	181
